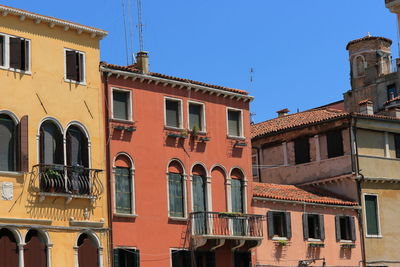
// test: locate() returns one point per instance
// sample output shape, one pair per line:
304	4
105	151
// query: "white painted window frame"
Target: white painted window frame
203	117
241	134
185	193
83	82
130	112
378	214
7	54
171	251
181	126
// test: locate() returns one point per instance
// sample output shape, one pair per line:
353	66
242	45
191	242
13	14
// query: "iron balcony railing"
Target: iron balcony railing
71	180
226	224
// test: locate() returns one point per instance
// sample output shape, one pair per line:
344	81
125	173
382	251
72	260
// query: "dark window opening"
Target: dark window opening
126	257
8	144
181	258
302	150
172	110
397	144
345	228
196	116
77	148
75	66
371	214
19	53
121	105
313	226
334	142
392	92
234	123
279	224
176	195
254	164
51	144
2	48
242	259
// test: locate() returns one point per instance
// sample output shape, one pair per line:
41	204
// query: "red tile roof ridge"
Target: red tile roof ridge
393	99
295	193
132	68
375	116
365	101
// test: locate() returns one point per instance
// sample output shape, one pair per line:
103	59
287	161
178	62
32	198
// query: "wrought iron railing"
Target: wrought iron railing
72	180
226	224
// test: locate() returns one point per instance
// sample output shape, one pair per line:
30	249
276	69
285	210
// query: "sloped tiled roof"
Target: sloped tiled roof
295	120
132	68
368	38
295	193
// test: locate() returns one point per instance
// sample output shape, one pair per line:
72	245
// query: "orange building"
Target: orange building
180	175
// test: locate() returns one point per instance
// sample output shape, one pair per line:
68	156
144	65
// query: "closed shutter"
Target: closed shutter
305	226
116	258
26	55
120	105
195	116
15	53
371	215
175	184
199	192
237	195
321	226
172	113
337	227
7	144
137	258
74	147
353	228
123	190
397	144
71	65
23	144
80	67
270	223
288	225
2	50
234	123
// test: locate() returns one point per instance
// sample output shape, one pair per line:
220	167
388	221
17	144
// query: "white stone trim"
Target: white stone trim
203	116
130	105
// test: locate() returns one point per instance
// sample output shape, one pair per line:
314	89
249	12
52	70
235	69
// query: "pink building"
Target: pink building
306	227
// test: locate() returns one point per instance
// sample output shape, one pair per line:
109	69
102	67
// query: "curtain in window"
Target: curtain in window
120	105
51	144
172	113
175	183
77	147
7	144
234	123
123	190
195	116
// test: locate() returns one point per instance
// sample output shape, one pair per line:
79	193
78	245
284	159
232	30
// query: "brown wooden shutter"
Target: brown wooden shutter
26	55
305	226
23	144
71	65
270	224
337	227
2	50
353	228
80	67
321	226
288	225
15	53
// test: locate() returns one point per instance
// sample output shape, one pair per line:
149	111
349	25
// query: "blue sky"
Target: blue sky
296	48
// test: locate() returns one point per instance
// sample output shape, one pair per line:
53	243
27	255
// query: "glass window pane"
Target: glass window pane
172	109
234	123
175	184
371	215
7	144
121	105
123	190
195	116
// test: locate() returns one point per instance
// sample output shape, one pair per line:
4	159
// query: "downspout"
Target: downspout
359	180
108	171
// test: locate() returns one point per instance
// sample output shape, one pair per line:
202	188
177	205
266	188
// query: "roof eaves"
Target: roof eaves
351	205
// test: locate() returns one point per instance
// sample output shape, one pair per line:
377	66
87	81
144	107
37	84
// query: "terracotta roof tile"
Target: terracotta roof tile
392	100
367	38
365	101
294	193
295	120
132	68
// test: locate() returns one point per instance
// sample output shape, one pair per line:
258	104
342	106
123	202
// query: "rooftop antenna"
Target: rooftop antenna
140	24
125	34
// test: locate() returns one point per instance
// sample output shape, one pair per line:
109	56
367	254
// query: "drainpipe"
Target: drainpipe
359	180
108	171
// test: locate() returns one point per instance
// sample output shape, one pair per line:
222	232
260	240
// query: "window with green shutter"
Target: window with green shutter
126	257
75	66
279	224
121	105
371	214
123	190
345	228
176	195
234	122
2	50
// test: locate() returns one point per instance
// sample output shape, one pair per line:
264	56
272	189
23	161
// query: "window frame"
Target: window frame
352	224
379	235
203	115
257	173
184	201
126	248
6	59
130	109
241	134
83	82
329	135
180	113
321	226
299	161
286	225
171	250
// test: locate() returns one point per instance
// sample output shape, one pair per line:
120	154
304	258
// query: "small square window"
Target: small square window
234	123
173	113
19	53
121	105
345	228
279	224
181	258
196	116
313	226
75	66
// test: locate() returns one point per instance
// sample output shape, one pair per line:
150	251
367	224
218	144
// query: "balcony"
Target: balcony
223	226
66	181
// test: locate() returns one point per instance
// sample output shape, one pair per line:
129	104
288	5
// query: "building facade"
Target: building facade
53	209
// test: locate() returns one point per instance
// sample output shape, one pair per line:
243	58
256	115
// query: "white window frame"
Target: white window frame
181	127
378	215
241	135
174	249
83	82
7	54
130	116
203	117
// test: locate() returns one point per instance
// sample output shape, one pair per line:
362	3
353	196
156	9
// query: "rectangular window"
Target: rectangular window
371	214
302	150
234	123
123	190
391	91
173	109
176	195
279	224
19	53
75	66
2	50
334	143
254	164
196	116
397	144
121	105
345	228
181	258
126	257
313	226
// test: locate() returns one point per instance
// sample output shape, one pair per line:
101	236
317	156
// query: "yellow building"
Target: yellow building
53	201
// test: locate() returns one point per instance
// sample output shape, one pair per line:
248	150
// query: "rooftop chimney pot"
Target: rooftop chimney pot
282	112
142	61
366	107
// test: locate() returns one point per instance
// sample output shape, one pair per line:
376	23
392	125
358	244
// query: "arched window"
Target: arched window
176	190
199	184
8	143
8	249
358	66
51	144
237	196
35	250
123	179
88	254
77	147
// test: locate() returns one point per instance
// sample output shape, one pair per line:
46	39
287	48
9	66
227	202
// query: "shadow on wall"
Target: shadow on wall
345	253
313	252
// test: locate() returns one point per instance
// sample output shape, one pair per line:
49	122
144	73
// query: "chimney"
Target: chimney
394	112
142	61
366	107
282	112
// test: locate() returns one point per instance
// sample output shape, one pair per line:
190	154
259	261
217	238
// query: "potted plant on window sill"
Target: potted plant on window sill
282	243
348	245
316	245
53	176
